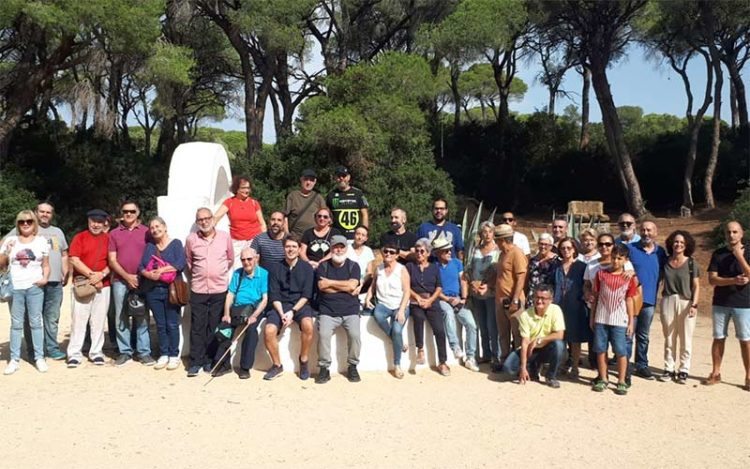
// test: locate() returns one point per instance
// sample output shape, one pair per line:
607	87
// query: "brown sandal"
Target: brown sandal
712	379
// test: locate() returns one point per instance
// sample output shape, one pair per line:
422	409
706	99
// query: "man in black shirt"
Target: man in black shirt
348	204
399	236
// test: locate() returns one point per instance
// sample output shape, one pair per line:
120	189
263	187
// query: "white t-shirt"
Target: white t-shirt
593	267
25	260
521	241
363	260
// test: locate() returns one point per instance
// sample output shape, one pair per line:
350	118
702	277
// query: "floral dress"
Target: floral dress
540	272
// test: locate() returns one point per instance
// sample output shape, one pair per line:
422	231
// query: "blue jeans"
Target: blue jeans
641	327
122	324
392	329
167	318
53	294
553	353
28	301
484	310
467	320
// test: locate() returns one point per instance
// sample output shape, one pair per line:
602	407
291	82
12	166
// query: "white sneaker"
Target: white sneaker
161	362
458	353
173	363
41	365
471	364
12	367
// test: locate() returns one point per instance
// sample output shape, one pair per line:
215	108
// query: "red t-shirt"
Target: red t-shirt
243	218
91	250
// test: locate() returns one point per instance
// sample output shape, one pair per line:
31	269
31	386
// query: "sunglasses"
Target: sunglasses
625	223
389	251
566	248
322	216
508	219
606	245
128	212
25	222
246	259
420	250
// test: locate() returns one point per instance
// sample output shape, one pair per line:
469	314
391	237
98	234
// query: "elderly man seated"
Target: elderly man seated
542	328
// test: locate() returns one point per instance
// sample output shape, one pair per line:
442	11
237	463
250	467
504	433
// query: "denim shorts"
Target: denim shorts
740	317
615	335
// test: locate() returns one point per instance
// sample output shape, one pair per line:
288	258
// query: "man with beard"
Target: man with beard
302	204
440	224
628	229
348	204
270	244
399	236
338	279
210	257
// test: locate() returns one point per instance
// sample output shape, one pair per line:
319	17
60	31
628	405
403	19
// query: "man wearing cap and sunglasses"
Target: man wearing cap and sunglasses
348	204
302	204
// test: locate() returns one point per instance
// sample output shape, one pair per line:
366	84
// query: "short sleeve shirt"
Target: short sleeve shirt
251	289
612	291
270	250
57	245
678	281
725	264
91	250
532	327
318	247
450	231
300	210
25	260
346	207
450	275
244	224
508	266
338	303
648	267
128	245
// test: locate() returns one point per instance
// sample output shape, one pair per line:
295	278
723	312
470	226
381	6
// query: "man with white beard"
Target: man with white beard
338	279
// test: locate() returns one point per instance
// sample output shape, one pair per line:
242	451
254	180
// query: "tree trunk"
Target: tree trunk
733	105
281	73
716	135
585	136
551	105
739	89
252	140
616	139
166	144
455	72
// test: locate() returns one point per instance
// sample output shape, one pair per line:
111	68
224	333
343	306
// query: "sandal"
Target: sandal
712	379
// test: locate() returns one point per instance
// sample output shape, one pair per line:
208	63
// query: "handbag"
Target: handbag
178	291
157	262
135	305
82	289
6	287
239	314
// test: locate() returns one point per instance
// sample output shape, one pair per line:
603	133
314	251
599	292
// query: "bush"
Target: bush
740	212
13	199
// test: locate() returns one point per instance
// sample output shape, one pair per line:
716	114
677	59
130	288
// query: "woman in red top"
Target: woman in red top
245	216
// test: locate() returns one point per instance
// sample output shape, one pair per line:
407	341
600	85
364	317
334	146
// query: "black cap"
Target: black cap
341	170
97	214
309	173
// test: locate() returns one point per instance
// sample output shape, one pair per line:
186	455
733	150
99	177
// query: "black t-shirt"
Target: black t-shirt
725	264
339	303
346	206
318	247
405	241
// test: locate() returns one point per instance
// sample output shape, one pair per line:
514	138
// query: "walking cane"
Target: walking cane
229	349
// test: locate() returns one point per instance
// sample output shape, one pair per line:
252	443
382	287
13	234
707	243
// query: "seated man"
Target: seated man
338	282
290	288
542	328
246	300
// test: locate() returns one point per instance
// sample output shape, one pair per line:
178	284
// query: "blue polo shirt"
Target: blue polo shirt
451	232
450	275
251	290
648	267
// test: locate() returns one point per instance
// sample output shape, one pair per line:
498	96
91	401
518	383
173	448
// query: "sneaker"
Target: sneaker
444	370
573	374
73	363
147	360
161	362
352	374
304	371
274	372
628	380
666	377
599	385
57	356
207	367
243	373
173	363
98	361
12	367
622	389
41	365
553	383
122	360
193	371
471	364
420	356
323	376
398	372
682	377
458	353
496	367
645	373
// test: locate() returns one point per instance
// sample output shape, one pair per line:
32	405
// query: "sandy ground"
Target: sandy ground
138	417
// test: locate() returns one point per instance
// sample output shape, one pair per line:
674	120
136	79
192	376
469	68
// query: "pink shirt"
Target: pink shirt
209	261
128	244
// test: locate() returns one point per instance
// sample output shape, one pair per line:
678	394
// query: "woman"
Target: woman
588	246
245	216
361	254
156	290
425	289
316	245
568	281
27	255
679	304
541	267
481	274
390	285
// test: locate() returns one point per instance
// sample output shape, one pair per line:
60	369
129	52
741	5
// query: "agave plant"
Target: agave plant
469	231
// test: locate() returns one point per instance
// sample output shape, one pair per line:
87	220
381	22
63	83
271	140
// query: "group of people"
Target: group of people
523	314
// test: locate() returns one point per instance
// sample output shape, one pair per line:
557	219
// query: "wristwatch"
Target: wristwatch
539	341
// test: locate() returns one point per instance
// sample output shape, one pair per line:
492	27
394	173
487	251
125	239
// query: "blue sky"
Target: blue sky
635	81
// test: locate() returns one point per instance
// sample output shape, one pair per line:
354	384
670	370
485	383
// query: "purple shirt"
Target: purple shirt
209	261
128	244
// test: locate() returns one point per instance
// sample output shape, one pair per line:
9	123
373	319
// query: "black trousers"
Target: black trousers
205	315
435	318
249	343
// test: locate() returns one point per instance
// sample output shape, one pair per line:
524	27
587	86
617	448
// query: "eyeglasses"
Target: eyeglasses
625	223
606	245
566	248
544	245
128	212
325	217
246	259
25	222
204	219
542	298
391	252
510	219
420	250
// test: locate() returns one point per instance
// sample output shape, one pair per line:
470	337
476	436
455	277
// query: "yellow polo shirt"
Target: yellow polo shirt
533	327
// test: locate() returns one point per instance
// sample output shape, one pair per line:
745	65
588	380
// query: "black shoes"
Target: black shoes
352	374
324	376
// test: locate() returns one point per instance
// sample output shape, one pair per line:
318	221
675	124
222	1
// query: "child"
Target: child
613	318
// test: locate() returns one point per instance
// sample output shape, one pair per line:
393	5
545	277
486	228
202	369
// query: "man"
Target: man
440	224
519	239
88	257
628	229
58	278
559	230
511	279
542	328
453	303
338	282
348	204
127	241
648	259
729	273
302	204
290	289
269	244
399	236
210	256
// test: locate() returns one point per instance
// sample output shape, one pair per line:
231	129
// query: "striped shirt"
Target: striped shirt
612	290
271	251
